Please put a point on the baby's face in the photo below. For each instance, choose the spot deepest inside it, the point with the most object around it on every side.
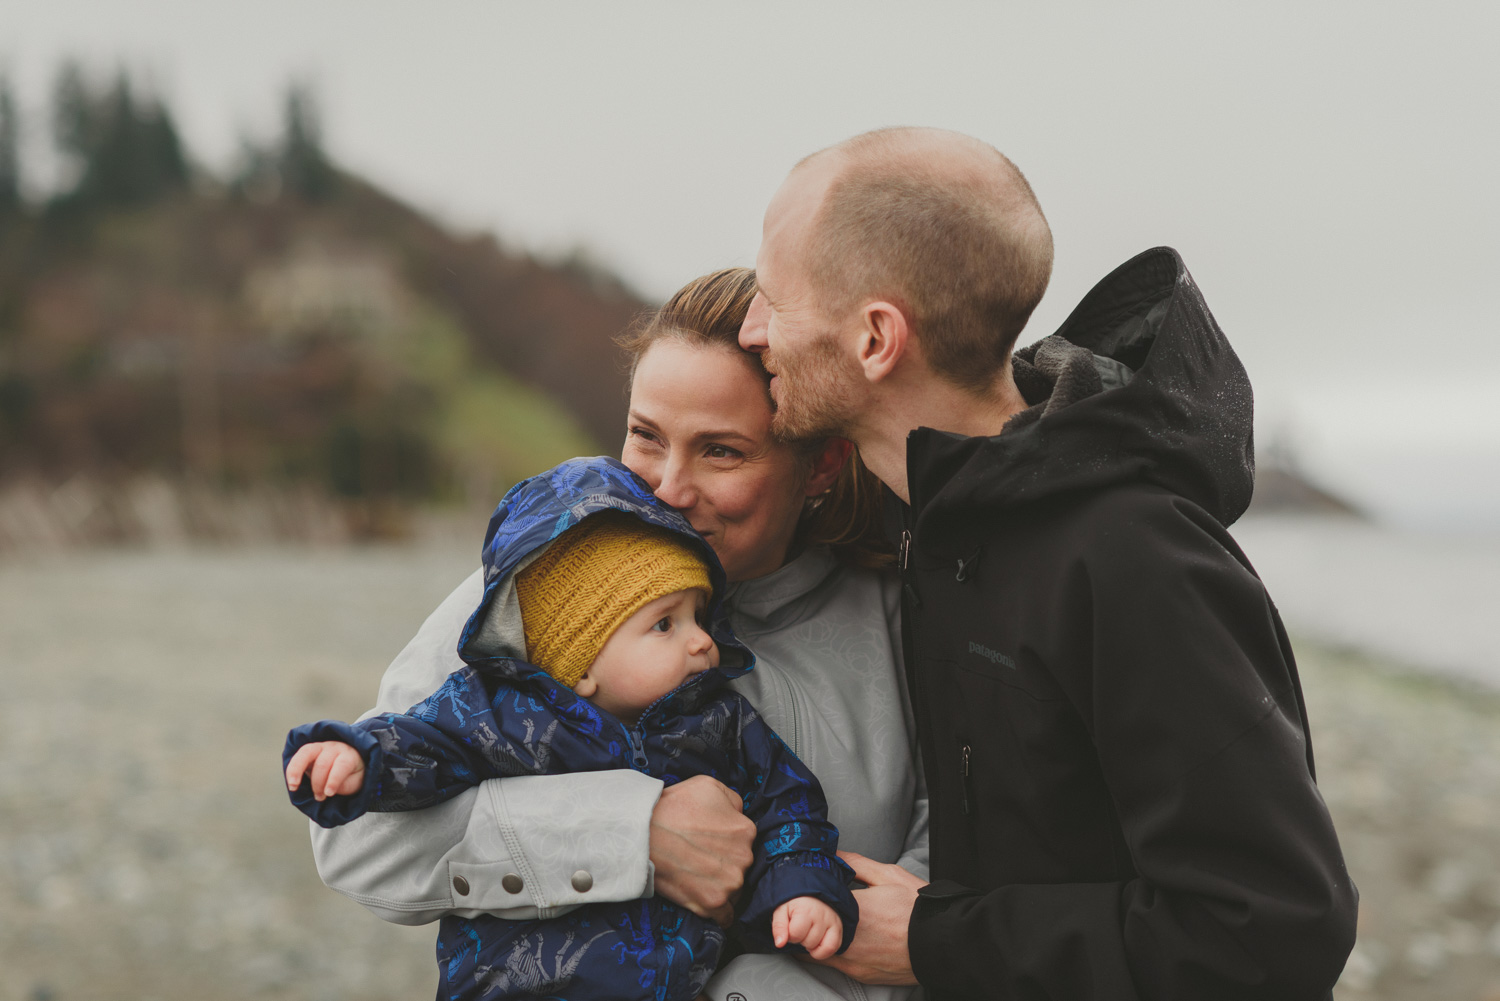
(653, 651)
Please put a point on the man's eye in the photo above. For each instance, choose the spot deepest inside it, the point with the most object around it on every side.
(663, 624)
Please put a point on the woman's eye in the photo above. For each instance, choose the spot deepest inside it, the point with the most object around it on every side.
(641, 433)
(663, 624)
(720, 452)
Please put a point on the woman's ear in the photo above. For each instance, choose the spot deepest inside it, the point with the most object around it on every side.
(586, 686)
(826, 464)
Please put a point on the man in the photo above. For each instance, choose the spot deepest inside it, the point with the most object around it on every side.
(1122, 792)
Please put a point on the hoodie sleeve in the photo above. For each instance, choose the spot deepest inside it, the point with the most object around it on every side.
(406, 867)
(1239, 890)
(795, 843)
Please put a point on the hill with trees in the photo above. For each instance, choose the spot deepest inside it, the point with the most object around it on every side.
(289, 328)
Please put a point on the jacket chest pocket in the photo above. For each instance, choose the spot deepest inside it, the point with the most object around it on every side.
(1022, 773)
(1012, 779)
(1013, 717)
(1018, 668)
(958, 627)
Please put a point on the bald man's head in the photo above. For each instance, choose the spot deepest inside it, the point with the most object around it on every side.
(940, 224)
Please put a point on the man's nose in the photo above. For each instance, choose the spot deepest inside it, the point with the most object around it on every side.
(757, 320)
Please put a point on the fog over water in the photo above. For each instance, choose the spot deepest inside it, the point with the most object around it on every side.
(1326, 171)
(1423, 602)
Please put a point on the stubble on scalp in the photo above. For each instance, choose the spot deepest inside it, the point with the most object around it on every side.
(943, 226)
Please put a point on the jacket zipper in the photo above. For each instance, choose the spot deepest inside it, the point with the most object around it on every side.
(637, 742)
(909, 606)
(636, 735)
(905, 561)
(967, 762)
(791, 712)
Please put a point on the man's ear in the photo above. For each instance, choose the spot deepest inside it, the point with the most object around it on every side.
(885, 338)
(586, 686)
(826, 465)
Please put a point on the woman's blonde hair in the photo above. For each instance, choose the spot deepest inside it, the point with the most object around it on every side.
(708, 311)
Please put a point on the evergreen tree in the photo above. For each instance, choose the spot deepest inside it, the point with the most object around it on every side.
(126, 148)
(305, 168)
(10, 153)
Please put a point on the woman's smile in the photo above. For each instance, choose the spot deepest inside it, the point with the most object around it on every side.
(699, 433)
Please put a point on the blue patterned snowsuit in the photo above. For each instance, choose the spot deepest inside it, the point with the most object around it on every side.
(500, 716)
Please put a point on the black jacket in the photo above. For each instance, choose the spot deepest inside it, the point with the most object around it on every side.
(1117, 753)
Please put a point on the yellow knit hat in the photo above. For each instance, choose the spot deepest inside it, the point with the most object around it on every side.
(591, 579)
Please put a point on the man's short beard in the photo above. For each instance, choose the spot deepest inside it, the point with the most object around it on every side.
(816, 400)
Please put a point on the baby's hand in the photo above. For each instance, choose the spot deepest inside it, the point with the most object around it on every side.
(810, 923)
(337, 769)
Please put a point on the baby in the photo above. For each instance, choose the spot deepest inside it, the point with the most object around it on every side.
(617, 605)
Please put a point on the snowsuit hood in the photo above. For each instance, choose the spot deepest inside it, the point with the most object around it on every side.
(529, 518)
(1138, 384)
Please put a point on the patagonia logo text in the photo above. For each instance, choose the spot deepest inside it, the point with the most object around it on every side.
(993, 656)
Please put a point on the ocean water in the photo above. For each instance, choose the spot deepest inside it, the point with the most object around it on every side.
(1427, 601)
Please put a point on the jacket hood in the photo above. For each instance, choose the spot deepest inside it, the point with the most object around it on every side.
(535, 512)
(1138, 384)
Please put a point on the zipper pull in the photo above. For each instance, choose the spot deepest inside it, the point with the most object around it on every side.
(637, 749)
(903, 558)
(966, 567)
(967, 806)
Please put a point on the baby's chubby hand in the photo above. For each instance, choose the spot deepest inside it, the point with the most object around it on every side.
(337, 769)
(810, 923)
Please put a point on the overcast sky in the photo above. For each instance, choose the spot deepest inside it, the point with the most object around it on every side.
(1328, 171)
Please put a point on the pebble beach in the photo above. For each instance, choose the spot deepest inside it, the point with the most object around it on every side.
(147, 849)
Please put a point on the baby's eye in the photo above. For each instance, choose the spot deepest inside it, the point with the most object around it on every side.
(663, 624)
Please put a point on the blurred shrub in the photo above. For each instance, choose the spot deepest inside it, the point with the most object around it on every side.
(295, 327)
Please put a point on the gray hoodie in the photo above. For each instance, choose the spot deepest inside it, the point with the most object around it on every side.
(828, 679)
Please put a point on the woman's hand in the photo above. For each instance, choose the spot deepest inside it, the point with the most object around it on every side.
(878, 954)
(700, 846)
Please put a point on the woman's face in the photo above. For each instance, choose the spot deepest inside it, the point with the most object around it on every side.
(699, 432)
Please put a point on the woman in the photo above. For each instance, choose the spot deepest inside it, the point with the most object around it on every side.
(794, 527)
